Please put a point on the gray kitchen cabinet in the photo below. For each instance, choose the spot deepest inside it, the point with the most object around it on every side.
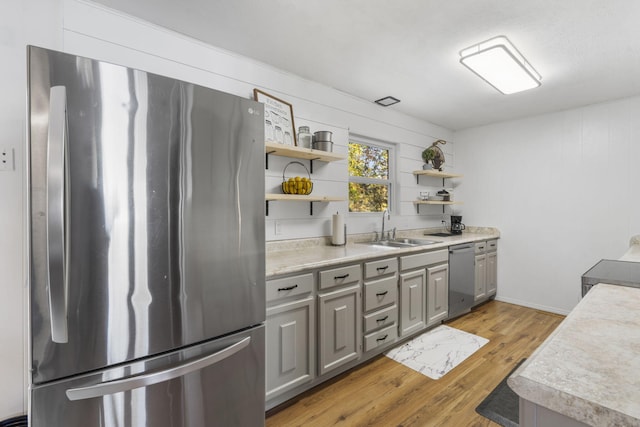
(379, 293)
(533, 415)
(414, 292)
(413, 299)
(492, 267)
(437, 293)
(290, 334)
(290, 343)
(340, 317)
(380, 303)
(486, 270)
(480, 277)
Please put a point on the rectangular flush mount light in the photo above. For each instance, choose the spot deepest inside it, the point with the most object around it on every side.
(500, 64)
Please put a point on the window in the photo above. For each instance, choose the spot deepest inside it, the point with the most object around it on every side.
(370, 176)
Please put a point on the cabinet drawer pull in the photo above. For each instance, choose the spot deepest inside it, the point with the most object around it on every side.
(382, 269)
(381, 294)
(287, 288)
(341, 277)
(382, 338)
(382, 319)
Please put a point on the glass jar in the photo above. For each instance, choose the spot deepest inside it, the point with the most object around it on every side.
(304, 137)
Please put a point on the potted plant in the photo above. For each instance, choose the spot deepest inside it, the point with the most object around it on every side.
(428, 155)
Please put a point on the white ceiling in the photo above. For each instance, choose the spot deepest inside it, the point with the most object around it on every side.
(587, 51)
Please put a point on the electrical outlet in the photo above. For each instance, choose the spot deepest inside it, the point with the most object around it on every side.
(278, 228)
(6, 158)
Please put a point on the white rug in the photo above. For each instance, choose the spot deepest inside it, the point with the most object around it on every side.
(438, 351)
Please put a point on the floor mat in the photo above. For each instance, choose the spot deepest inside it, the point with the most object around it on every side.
(437, 351)
(501, 405)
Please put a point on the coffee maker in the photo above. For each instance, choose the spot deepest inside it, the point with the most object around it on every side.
(456, 224)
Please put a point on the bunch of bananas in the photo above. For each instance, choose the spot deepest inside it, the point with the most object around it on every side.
(297, 185)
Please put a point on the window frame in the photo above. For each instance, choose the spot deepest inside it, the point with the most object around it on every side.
(390, 182)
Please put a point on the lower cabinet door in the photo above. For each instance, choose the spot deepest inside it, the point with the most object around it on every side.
(437, 293)
(340, 328)
(290, 354)
(492, 273)
(480, 277)
(412, 301)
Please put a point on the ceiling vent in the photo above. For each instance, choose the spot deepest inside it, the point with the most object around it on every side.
(386, 101)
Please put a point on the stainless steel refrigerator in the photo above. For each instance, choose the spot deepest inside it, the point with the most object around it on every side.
(147, 297)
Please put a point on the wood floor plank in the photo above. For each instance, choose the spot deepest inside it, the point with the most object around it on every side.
(383, 392)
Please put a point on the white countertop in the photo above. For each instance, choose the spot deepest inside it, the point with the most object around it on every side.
(298, 255)
(589, 367)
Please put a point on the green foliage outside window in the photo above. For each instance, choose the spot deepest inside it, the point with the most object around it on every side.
(368, 178)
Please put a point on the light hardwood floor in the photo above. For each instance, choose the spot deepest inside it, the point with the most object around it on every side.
(386, 393)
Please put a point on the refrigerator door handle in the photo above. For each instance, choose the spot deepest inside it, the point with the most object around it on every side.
(55, 214)
(125, 384)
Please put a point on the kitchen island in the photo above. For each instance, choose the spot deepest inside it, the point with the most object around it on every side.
(587, 371)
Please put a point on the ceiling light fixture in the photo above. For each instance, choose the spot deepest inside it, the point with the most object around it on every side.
(387, 100)
(499, 63)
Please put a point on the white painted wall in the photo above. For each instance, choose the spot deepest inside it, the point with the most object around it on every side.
(94, 31)
(563, 190)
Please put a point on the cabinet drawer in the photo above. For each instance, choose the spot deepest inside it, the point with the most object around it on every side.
(380, 338)
(382, 318)
(340, 276)
(410, 262)
(380, 293)
(379, 268)
(492, 245)
(481, 247)
(289, 287)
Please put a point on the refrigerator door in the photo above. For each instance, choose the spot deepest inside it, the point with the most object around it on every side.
(219, 383)
(147, 214)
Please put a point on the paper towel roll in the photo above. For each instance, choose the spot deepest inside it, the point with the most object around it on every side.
(337, 235)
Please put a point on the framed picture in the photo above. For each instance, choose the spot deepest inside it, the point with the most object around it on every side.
(278, 119)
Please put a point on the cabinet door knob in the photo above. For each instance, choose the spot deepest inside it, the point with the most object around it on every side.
(381, 269)
(381, 294)
(341, 277)
(382, 338)
(287, 288)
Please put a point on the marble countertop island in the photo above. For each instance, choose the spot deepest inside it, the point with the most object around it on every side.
(588, 369)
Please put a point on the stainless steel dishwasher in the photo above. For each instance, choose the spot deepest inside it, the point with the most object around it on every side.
(461, 278)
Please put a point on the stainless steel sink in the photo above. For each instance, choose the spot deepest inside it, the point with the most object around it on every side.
(402, 243)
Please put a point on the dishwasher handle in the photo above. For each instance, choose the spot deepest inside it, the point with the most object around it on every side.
(461, 249)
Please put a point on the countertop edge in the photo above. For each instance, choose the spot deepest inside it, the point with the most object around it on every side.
(583, 410)
(322, 256)
(528, 381)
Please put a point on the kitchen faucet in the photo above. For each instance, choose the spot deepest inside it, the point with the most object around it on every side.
(388, 215)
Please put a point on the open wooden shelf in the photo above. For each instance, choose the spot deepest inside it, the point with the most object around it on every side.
(435, 202)
(274, 197)
(437, 174)
(302, 198)
(301, 153)
(442, 203)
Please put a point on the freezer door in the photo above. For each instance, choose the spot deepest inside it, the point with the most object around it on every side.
(147, 214)
(220, 383)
